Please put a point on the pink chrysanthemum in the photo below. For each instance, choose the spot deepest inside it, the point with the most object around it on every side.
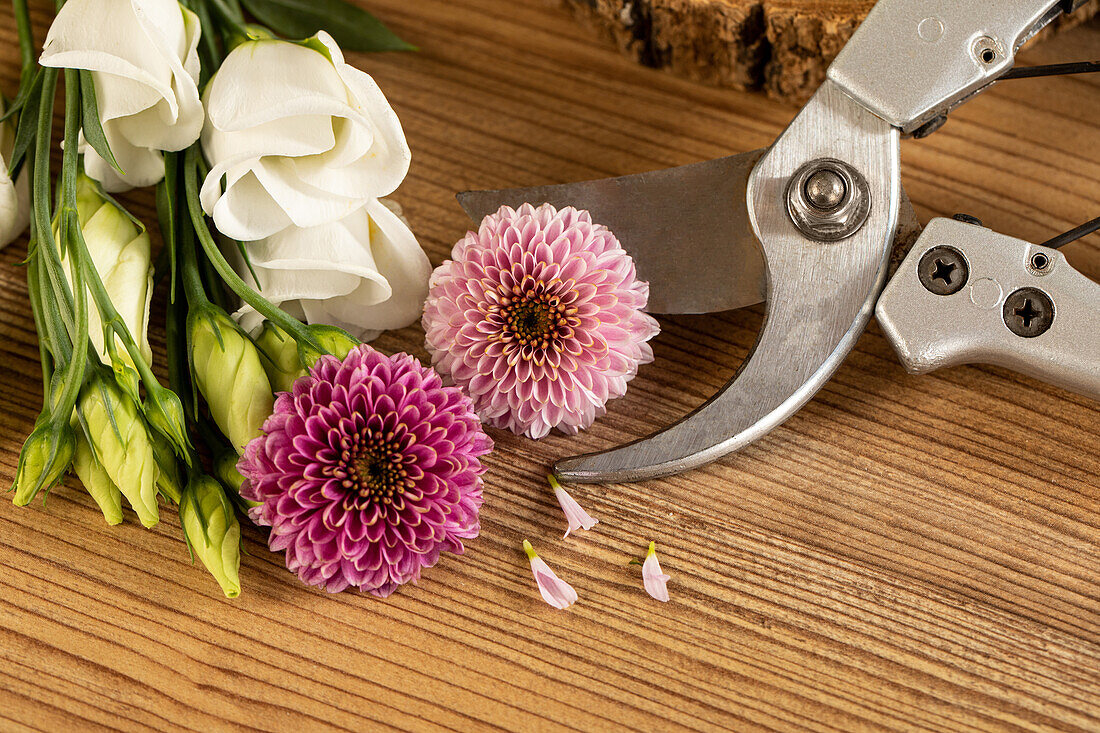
(367, 471)
(539, 317)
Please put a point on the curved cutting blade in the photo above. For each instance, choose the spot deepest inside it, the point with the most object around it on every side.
(819, 298)
(671, 222)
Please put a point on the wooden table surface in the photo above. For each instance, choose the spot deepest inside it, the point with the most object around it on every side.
(905, 553)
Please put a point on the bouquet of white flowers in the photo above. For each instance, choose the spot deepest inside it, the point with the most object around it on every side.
(270, 158)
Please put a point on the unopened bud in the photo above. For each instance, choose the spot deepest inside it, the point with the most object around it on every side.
(46, 456)
(96, 482)
(282, 364)
(335, 341)
(229, 375)
(225, 469)
(212, 531)
(168, 472)
(164, 412)
(121, 442)
(121, 252)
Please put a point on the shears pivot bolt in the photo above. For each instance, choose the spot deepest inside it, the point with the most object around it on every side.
(828, 200)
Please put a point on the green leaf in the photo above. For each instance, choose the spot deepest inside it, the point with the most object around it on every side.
(93, 130)
(248, 262)
(28, 86)
(353, 28)
(27, 128)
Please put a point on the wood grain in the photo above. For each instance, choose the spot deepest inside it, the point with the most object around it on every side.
(780, 46)
(904, 554)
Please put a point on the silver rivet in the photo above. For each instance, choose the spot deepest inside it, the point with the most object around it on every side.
(987, 50)
(1040, 263)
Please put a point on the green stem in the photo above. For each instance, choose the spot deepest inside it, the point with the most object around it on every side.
(26, 37)
(213, 284)
(292, 326)
(40, 197)
(179, 377)
(65, 333)
(74, 375)
(52, 334)
(189, 270)
(167, 218)
(40, 327)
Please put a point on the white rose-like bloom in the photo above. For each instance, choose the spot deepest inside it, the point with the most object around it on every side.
(365, 273)
(14, 203)
(143, 55)
(300, 137)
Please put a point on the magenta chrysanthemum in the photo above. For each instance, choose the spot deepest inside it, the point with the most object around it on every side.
(367, 471)
(539, 316)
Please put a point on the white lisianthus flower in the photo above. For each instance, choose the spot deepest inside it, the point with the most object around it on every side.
(14, 203)
(143, 55)
(301, 139)
(365, 273)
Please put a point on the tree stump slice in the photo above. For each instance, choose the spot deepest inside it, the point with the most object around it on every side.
(780, 46)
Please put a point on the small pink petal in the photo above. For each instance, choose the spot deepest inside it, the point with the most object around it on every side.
(652, 577)
(554, 590)
(577, 517)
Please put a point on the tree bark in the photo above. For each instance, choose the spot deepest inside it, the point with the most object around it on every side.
(780, 46)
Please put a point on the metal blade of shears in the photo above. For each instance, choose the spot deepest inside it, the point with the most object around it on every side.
(687, 229)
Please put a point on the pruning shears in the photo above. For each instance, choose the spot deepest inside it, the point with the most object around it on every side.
(809, 224)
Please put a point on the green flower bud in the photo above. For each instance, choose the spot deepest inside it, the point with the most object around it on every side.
(225, 469)
(44, 459)
(125, 374)
(336, 341)
(121, 252)
(230, 375)
(121, 443)
(96, 482)
(168, 476)
(282, 364)
(164, 412)
(212, 531)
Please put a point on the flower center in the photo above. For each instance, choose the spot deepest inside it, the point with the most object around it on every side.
(529, 320)
(533, 317)
(372, 469)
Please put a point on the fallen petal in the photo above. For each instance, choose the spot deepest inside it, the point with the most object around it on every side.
(554, 590)
(652, 577)
(577, 517)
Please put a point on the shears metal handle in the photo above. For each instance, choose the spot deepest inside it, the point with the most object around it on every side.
(967, 295)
